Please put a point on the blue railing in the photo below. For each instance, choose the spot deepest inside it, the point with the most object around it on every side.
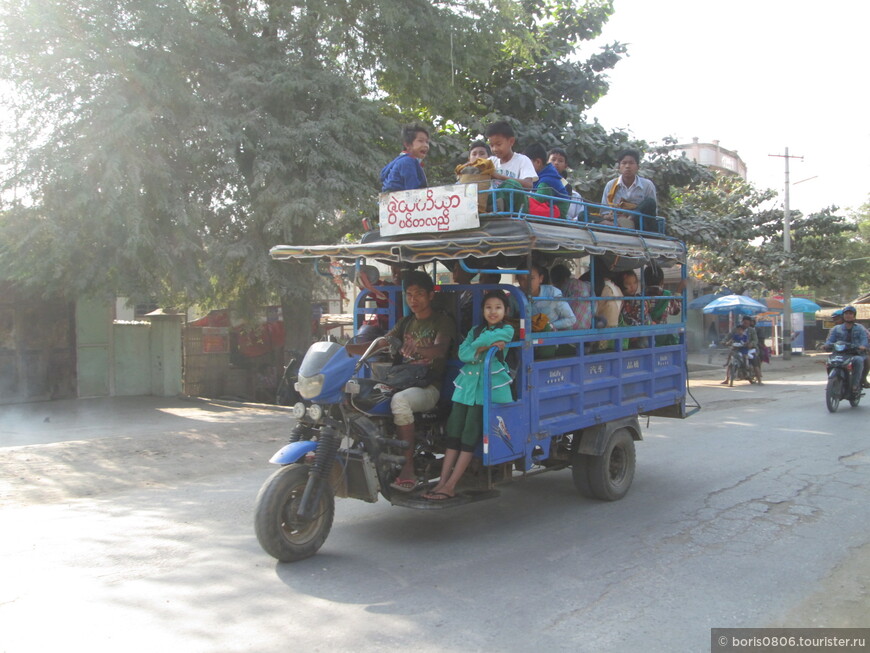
(515, 203)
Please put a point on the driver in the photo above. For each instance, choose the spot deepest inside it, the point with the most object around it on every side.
(855, 336)
(426, 337)
(738, 336)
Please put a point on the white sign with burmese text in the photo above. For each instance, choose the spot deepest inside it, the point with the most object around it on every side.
(429, 210)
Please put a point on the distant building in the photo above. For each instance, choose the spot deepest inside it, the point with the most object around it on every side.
(714, 156)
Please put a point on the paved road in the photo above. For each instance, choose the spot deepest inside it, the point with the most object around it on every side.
(752, 513)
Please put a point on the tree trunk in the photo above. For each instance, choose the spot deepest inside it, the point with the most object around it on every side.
(296, 307)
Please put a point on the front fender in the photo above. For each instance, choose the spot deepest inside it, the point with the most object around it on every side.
(838, 371)
(292, 452)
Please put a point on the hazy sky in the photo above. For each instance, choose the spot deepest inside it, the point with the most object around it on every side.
(759, 76)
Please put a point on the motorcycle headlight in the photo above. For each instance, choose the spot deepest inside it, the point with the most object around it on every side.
(311, 386)
(315, 412)
(299, 410)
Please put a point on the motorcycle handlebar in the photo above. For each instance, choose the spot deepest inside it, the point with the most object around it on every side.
(851, 351)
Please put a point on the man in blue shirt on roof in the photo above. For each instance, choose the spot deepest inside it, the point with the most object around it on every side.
(405, 172)
(628, 191)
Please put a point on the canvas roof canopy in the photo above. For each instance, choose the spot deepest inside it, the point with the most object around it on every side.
(506, 237)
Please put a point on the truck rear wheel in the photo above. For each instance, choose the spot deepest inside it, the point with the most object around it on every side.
(609, 475)
(579, 473)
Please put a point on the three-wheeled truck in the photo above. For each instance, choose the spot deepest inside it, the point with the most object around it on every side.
(576, 409)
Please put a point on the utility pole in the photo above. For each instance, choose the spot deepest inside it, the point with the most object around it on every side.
(786, 279)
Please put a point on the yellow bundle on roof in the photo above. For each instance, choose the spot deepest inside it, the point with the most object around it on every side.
(479, 167)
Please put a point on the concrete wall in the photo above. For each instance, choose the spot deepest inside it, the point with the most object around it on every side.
(132, 368)
(126, 359)
(166, 359)
(94, 348)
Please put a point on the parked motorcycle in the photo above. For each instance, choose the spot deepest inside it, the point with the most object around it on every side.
(839, 367)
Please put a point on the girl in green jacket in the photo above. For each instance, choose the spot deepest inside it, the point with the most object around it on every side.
(465, 424)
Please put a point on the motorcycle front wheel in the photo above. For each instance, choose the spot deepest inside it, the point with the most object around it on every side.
(833, 393)
(280, 531)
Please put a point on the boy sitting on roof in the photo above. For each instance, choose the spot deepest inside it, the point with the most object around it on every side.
(549, 183)
(405, 172)
(513, 171)
(559, 158)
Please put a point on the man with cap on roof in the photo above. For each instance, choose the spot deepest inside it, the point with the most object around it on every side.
(856, 337)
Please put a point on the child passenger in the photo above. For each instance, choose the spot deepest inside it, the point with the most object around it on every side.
(405, 172)
(478, 162)
(559, 158)
(478, 169)
(465, 424)
(478, 150)
(549, 183)
(513, 171)
(573, 290)
(634, 311)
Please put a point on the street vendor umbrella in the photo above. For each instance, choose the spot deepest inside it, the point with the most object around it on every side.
(798, 305)
(703, 300)
(803, 305)
(732, 303)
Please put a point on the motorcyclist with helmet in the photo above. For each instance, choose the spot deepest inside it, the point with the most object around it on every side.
(856, 337)
(740, 337)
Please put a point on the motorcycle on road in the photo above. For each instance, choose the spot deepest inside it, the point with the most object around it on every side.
(839, 368)
(738, 365)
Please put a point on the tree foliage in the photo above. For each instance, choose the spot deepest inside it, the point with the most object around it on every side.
(735, 233)
(163, 146)
(853, 259)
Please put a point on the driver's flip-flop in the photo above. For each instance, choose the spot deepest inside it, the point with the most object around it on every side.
(439, 496)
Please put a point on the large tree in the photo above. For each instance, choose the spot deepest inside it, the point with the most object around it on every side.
(853, 261)
(163, 146)
(735, 233)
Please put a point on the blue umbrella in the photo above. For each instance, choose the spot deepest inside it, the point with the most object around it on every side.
(703, 300)
(803, 305)
(731, 303)
(798, 305)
